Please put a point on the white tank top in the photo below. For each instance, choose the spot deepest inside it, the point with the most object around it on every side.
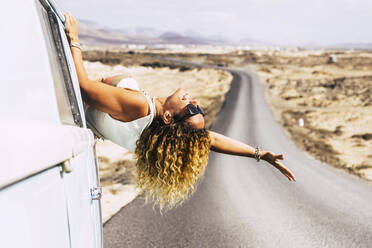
(124, 134)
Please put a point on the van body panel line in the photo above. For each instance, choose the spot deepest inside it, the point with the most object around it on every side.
(33, 146)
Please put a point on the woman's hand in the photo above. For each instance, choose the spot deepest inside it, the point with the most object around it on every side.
(274, 160)
(226, 145)
(71, 26)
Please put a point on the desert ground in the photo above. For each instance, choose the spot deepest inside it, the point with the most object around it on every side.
(321, 99)
(326, 108)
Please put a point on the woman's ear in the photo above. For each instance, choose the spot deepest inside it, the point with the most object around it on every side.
(167, 117)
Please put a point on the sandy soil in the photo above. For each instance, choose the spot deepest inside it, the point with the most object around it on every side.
(116, 164)
(326, 108)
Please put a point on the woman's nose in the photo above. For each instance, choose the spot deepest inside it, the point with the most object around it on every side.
(194, 102)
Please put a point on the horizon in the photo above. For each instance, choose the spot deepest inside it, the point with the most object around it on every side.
(301, 23)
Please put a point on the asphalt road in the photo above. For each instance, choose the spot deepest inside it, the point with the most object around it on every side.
(242, 203)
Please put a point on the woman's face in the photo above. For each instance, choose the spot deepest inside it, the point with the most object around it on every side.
(176, 104)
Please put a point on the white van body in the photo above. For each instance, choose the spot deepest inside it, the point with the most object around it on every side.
(49, 185)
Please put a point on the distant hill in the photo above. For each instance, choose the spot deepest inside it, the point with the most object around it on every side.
(175, 38)
(93, 34)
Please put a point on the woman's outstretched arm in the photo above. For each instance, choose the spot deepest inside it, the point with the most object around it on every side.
(226, 145)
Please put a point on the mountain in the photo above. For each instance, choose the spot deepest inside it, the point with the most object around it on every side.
(93, 34)
(175, 38)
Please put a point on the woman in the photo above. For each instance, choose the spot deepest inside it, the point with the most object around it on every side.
(166, 134)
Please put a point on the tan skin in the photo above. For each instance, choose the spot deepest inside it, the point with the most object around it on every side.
(128, 105)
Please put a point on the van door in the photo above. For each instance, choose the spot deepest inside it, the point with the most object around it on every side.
(81, 179)
(33, 212)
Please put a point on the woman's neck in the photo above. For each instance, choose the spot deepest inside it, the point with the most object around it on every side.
(159, 103)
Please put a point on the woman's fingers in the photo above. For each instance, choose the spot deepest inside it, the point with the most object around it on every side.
(289, 178)
(279, 156)
(68, 16)
(70, 19)
(71, 27)
(273, 159)
(67, 20)
(286, 172)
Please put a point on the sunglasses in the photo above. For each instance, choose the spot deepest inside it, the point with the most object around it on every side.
(191, 111)
(194, 110)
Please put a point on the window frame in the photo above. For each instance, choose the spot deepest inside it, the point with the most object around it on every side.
(63, 64)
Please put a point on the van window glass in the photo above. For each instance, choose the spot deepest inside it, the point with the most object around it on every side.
(66, 99)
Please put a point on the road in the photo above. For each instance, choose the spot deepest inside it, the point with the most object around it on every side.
(242, 203)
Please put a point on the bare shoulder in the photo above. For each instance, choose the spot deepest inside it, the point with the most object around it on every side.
(134, 105)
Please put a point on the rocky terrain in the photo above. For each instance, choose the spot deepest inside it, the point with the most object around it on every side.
(326, 107)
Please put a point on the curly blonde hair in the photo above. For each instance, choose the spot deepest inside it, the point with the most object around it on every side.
(170, 160)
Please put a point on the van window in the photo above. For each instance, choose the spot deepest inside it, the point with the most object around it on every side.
(66, 99)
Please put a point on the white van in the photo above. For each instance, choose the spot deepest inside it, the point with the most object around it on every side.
(49, 185)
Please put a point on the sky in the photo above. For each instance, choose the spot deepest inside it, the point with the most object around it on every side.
(290, 22)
